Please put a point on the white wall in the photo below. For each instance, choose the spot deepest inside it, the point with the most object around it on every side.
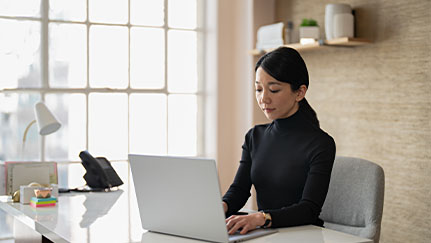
(228, 40)
(230, 107)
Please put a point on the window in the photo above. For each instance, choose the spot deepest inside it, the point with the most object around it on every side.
(122, 76)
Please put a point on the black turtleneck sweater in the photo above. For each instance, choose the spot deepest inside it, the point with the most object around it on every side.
(289, 161)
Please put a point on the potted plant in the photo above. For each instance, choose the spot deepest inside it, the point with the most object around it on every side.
(309, 29)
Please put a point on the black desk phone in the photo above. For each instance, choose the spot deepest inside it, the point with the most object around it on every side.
(100, 174)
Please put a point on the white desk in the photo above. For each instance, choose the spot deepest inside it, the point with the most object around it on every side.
(114, 217)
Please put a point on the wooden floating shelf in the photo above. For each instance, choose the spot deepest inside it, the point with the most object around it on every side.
(344, 41)
(347, 41)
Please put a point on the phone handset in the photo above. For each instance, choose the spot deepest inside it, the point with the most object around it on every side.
(100, 173)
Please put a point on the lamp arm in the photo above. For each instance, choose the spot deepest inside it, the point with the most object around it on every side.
(25, 132)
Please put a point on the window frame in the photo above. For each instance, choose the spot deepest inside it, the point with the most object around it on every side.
(87, 90)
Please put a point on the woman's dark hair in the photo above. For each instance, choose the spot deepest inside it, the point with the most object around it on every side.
(286, 65)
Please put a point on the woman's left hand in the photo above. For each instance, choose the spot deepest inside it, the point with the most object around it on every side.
(246, 222)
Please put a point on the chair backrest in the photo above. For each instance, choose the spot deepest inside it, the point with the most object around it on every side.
(354, 203)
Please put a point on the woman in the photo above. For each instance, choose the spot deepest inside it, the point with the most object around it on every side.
(289, 161)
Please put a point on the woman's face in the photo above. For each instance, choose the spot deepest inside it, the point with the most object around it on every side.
(275, 98)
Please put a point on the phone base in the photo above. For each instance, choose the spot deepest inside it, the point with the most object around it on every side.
(87, 189)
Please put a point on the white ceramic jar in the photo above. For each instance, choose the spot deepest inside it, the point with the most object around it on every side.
(343, 25)
(330, 11)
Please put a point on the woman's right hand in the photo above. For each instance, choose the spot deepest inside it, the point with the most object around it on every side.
(224, 207)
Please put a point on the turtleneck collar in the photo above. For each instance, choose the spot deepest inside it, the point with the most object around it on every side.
(289, 122)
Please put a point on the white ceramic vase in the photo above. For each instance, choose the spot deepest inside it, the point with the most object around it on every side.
(330, 11)
(343, 25)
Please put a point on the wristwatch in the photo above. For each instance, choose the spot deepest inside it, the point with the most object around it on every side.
(268, 219)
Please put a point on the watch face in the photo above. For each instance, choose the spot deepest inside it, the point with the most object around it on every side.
(270, 218)
(267, 219)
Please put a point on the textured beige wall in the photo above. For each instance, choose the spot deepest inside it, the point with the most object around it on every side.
(375, 101)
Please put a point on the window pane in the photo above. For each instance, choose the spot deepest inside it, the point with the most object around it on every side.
(67, 55)
(147, 12)
(70, 175)
(69, 140)
(20, 8)
(75, 10)
(20, 54)
(16, 112)
(182, 125)
(147, 58)
(107, 133)
(182, 61)
(182, 14)
(148, 124)
(108, 11)
(108, 57)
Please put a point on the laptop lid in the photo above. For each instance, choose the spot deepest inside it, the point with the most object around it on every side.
(181, 196)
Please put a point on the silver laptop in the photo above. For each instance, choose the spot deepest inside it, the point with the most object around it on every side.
(181, 196)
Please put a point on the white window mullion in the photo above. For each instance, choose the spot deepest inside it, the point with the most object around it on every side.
(165, 27)
(201, 85)
(87, 87)
(44, 44)
(129, 202)
(128, 77)
(45, 60)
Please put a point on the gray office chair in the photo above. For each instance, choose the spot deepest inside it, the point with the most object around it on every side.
(354, 203)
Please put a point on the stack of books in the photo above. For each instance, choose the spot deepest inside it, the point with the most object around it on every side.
(43, 202)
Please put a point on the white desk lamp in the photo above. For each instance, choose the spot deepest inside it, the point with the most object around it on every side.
(46, 121)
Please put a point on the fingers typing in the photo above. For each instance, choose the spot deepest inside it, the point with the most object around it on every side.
(243, 223)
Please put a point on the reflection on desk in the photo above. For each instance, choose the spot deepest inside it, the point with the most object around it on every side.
(83, 217)
(114, 217)
(95, 209)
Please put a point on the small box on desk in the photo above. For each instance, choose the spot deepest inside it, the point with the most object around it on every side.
(27, 192)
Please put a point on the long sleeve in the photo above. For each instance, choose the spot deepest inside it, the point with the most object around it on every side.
(307, 210)
(239, 192)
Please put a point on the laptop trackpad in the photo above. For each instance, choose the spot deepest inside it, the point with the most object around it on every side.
(251, 235)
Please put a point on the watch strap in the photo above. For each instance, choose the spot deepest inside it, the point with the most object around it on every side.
(268, 219)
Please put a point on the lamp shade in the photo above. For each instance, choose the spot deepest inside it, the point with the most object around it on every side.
(46, 121)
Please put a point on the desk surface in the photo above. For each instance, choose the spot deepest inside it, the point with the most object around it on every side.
(114, 217)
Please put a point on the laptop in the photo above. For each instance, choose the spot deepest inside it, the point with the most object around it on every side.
(181, 196)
